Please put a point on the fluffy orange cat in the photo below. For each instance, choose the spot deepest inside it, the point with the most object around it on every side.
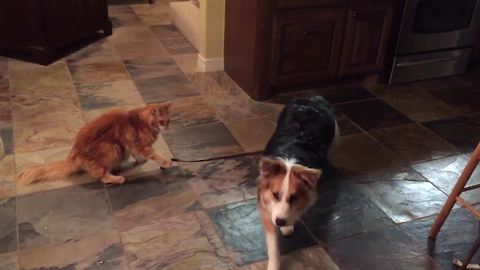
(105, 142)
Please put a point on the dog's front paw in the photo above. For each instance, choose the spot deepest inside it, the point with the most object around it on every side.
(166, 164)
(273, 265)
(287, 231)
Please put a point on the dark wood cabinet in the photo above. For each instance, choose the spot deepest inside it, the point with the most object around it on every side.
(308, 3)
(3, 30)
(366, 37)
(289, 43)
(41, 28)
(60, 23)
(92, 13)
(306, 45)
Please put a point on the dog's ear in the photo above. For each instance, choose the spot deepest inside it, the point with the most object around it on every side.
(270, 166)
(308, 176)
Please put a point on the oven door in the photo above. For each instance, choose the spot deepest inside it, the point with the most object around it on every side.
(429, 25)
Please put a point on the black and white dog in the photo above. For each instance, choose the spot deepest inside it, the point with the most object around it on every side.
(291, 166)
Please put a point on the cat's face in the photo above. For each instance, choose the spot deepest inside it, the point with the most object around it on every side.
(158, 115)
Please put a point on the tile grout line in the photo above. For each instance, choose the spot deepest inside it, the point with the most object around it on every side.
(370, 200)
(109, 202)
(76, 93)
(408, 166)
(447, 119)
(14, 177)
(416, 87)
(215, 231)
(13, 169)
(431, 133)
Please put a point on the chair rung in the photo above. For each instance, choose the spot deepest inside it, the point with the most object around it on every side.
(471, 187)
(469, 207)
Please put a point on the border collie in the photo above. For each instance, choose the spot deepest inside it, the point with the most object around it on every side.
(291, 166)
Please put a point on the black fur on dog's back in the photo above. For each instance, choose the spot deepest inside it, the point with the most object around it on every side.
(305, 130)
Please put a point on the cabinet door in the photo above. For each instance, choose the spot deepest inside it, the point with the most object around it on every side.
(366, 38)
(306, 45)
(59, 20)
(91, 13)
(3, 28)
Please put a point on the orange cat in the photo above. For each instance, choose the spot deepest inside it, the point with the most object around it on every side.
(105, 142)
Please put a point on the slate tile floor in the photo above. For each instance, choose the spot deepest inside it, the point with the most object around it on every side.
(401, 150)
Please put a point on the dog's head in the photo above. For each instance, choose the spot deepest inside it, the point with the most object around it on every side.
(286, 189)
(157, 115)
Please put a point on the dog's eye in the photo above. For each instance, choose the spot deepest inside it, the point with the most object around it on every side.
(292, 199)
(276, 196)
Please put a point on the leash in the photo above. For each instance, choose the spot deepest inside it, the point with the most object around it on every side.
(218, 158)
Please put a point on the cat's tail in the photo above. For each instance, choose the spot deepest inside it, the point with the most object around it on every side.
(47, 172)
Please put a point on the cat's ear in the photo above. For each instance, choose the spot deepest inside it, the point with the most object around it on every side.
(153, 109)
(165, 105)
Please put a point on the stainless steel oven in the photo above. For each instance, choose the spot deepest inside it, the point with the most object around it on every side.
(435, 32)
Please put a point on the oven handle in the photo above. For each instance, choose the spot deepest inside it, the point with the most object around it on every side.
(430, 61)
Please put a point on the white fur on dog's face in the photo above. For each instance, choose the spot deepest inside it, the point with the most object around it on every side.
(280, 209)
(286, 189)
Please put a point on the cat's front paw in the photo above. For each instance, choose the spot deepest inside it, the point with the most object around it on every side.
(140, 161)
(166, 164)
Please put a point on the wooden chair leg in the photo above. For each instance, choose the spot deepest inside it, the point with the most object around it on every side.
(471, 253)
(457, 190)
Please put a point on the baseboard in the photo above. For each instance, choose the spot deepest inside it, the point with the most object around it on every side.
(209, 64)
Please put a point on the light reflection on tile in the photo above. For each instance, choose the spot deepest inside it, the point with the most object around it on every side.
(7, 179)
(147, 68)
(102, 251)
(99, 72)
(108, 94)
(173, 243)
(152, 50)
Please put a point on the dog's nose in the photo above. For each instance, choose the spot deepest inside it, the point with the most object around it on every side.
(280, 222)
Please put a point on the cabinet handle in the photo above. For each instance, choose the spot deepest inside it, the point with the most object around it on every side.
(429, 61)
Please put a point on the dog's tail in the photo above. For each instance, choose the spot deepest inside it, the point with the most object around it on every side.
(47, 172)
(336, 138)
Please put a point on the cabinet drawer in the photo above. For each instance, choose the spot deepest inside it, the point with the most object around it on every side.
(308, 3)
(306, 45)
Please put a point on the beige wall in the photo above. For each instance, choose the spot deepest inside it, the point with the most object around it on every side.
(212, 14)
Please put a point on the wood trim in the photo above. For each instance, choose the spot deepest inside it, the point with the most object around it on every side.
(240, 50)
(266, 11)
